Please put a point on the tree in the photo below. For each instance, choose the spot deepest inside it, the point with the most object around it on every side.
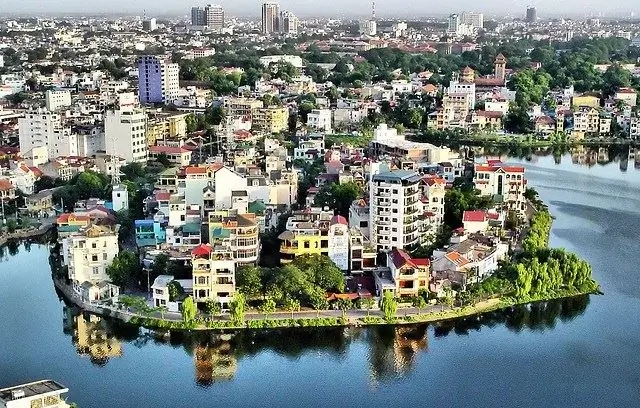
(124, 268)
(213, 307)
(344, 305)
(388, 305)
(249, 281)
(237, 309)
(292, 305)
(320, 270)
(44, 183)
(368, 304)
(159, 266)
(268, 307)
(419, 303)
(175, 291)
(189, 310)
(614, 78)
(338, 197)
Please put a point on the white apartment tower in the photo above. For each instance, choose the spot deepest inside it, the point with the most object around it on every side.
(289, 23)
(125, 134)
(54, 100)
(158, 80)
(41, 128)
(394, 208)
(475, 20)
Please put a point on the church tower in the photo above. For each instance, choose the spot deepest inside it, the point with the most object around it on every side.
(500, 67)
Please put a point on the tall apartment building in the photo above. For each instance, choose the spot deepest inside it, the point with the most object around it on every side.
(158, 80)
(214, 274)
(475, 20)
(40, 130)
(289, 23)
(532, 15)
(270, 17)
(394, 208)
(126, 134)
(210, 16)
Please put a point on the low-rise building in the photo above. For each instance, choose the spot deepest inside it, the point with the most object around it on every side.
(404, 276)
(214, 274)
(45, 393)
(504, 183)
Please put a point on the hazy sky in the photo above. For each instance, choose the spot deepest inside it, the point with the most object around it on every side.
(326, 7)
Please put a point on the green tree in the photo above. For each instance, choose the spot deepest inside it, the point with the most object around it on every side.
(124, 268)
(189, 310)
(213, 307)
(159, 266)
(249, 280)
(388, 305)
(419, 303)
(292, 305)
(268, 307)
(614, 78)
(175, 291)
(345, 305)
(368, 303)
(237, 308)
(338, 197)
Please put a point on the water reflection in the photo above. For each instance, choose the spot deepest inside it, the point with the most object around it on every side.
(393, 351)
(587, 156)
(91, 335)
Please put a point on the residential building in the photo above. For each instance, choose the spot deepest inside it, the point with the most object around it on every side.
(475, 20)
(87, 254)
(45, 393)
(503, 182)
(319, 120)
(214, 274)
(627, 95)
(464, 87)
(289, 23)
(158, 80)
(54, 100)
(125, 134)
(270, 14)
(175, 154)
(149, 25)
(404, 276)
(238, 231)
(368, 27)
(294, 60)
(7, 190)
(271, 120)
(163, 126)
(42, 129)
(532, 15)
(394, 198)
(214, 16)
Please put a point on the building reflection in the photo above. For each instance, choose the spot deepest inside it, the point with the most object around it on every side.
(91, 336)
(214, 360)
(394, 349)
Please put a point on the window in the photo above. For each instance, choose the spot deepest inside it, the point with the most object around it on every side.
(94, 258)
(104, 256)
(96, 270)
(306, 245)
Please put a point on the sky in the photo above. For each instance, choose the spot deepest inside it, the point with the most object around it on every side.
(325, 8)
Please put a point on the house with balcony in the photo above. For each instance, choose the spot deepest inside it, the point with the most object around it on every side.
(505, 183)
(237, 230)
(214, 274)
(404, 276)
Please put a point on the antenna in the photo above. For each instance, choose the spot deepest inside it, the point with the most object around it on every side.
(373, 10)
(115, 164)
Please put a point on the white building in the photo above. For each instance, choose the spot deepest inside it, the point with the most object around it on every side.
(289, 23)
(45, 129)
(320, 119)
(368, 27)
(394, 198)
(120, 197)
(472, 19)
(294, 60)
(45, 393)
(55, 100)
(125, 134)
(505, 183)
(464, 87)
(87, 254)
(339, 242)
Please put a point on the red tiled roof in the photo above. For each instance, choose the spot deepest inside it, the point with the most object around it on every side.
(457, 258)
(5, 185)
(202, 250)
(339, 219)
(474, 216)
(163, 195)
(496, 167)
(167, 149)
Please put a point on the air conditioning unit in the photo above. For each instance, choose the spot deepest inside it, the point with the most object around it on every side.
(17, 394)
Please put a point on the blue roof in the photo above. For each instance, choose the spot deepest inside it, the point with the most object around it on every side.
(143, 222)
(401, 175)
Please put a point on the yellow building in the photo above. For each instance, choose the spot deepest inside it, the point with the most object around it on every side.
(238, 231)
(272, 120)
(306, 239)
(162, 126)
(214, 274)
(586, 100)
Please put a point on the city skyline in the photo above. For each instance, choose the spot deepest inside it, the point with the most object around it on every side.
(515, 8)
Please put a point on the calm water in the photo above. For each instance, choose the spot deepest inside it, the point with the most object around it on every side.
(579, 353)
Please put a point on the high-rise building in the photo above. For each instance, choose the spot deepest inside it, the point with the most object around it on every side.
(197, 16)
(214, 16)
(475, 20)
(125, 132)
(394, 207)
(369, 26)
(453, 23)
(270, 17)
(149, 25)
(158, 80)
(46, 130)
(289, 23)
(532, 15)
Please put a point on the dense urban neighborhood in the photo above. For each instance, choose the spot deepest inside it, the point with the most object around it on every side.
(208, 172)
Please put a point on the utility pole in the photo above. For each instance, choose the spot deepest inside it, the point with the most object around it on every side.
(4, 220)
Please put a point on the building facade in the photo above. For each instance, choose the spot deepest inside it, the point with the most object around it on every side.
(125, 134)
(158, 80)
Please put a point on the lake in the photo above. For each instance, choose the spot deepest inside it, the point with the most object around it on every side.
(581, 352)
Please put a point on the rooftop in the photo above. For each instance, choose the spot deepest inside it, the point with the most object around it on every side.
(31, 390)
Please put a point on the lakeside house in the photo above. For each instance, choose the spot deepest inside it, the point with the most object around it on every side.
(44, 393)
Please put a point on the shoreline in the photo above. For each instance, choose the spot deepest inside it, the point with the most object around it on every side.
(373, 318)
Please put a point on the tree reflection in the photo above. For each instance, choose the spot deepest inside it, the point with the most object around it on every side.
(393, 350)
